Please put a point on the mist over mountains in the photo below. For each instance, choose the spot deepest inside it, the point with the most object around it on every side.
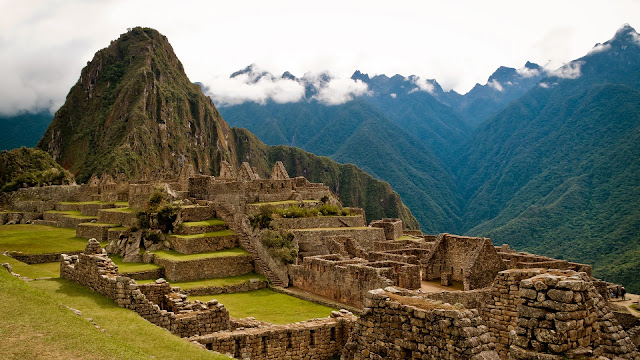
(545, 160)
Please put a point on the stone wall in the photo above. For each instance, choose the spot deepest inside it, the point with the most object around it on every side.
(398, 327)
(319, 222)
(195, 245)
(392, 227)
(472, 299)
(563, 316)
(93, 231)
(318, 339)
(39, 258)
(500, 309)
(348, 280)
(522, 260)
(312, 241)
(95, 270)
(252, 284)
(470, 260)
(205, 268)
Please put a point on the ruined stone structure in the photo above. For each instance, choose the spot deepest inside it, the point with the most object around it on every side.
(506, 304)
(164, 307)
(398, 327)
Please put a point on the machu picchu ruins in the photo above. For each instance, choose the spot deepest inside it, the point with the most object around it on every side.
(402, 294)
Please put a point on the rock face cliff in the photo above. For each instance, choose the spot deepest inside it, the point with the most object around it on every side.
(135, 111)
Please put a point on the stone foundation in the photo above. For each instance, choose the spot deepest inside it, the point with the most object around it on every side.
(206, 268)
(203, 244)
(314, 339)
(396, 327)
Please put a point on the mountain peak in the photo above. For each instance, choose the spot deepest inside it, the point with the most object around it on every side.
(357, 75)
(134, 110)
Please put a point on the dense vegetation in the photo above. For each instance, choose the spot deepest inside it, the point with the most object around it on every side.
(30, 167)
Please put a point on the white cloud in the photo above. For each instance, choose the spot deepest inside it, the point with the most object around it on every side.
(423, 84)
(394, 95)
(227, 91)
(526, 72)
(495, 84)
(568, 71)
(599, 48)
(544, 85)
(339, 90)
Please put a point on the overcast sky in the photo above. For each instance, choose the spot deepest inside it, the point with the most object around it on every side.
(45, 44)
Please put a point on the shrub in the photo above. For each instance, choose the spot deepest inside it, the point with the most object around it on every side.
(329, 210)
(262, 220)
(280, 245)
(144, 219)
(165, 217)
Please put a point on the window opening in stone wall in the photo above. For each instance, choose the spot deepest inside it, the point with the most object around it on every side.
(311, 337)
(264, 344)
(333, 334)
(289, 344)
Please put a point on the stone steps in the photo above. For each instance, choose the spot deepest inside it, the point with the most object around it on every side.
(225, 263)
(205, 242)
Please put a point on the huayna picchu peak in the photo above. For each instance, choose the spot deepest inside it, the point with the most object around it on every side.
(134, 110)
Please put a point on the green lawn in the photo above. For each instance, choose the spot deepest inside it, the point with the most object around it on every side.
(39, 239)
(76, 214)
(208, 234)
(173, 255)
(128, 267)
(100, 224)
(210, 222)
(232, 280)
(121, 209)
(84, 202)
(268, 305)
(285, 202)
(32, 271)
(39, 326)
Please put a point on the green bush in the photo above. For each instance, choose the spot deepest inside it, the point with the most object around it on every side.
(262, 220)
(144, 219)
(280, 245)
(165, 217)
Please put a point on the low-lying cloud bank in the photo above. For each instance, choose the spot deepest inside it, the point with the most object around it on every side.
(256, 85)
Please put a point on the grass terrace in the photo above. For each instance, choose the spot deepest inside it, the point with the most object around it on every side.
(217, 282)
(42, 327)
(208, 234)
(336, 229)
(100, 224)
(121, 209)
(286, 202)
(210, 222)
(76, 214)
(32, 271)
(129, 267)
(39, 239)
(408, 237)
(84, 202)
(176, 256)
(268, 305)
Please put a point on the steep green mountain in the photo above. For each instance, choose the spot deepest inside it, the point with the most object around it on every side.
(30, 167)
(357, 133)
(504, 86)
(557, 171)
(134, 110)
(416, 111)
(23, 129)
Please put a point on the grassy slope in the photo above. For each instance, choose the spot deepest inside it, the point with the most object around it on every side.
(40, 327)
(39, 239)
(268, 305)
